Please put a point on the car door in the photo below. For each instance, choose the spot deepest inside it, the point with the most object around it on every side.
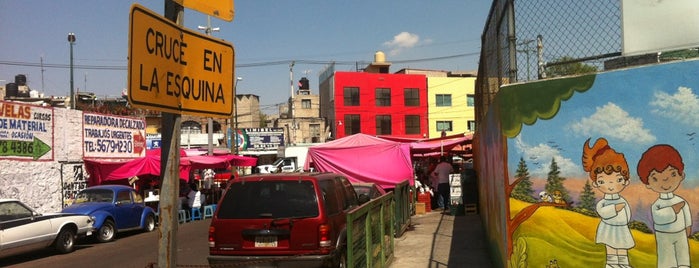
(21, 229)
(126, 213)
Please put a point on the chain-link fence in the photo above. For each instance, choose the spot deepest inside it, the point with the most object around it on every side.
(526, 40)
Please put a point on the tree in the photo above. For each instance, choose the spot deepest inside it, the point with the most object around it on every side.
(554, 182)
(523, 190)
(587, 197)
(263, 119)
(569, 68)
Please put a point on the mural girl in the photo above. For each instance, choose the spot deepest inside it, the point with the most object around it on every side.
(609, 173)
(661, 169)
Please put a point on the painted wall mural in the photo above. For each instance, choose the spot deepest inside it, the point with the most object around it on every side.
(600, 169)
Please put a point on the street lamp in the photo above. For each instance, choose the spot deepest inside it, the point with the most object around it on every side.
(235, 118)
(71, 40)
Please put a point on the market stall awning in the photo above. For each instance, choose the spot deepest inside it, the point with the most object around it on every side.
(439, 145)
(103, 170)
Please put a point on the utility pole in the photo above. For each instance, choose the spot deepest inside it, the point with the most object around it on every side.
(169, 170)
(526, 51)
(210, 121)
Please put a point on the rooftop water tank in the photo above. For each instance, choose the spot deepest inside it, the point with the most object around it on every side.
(21, 80)
(379, 56)
(11, 90)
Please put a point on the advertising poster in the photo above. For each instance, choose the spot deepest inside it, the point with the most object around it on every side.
(108, 136)
(26, 132)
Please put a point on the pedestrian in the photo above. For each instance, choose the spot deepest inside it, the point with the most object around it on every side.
(443, 171)
(193, 197)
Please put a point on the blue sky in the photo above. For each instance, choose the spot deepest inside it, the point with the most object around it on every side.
(267, 35)
(633, 109)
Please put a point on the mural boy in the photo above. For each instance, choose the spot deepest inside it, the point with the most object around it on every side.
(609, 173)
(661, 169)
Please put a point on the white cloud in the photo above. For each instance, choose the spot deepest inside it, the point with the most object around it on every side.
(402, 41)
(681, 106)
(539, 158)
(611, 121)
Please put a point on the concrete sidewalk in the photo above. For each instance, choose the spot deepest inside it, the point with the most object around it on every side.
(441, 240)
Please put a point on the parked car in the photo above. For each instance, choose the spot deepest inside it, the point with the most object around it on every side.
(22, 229)
(283, 220)
(116, 208)
(372, 190)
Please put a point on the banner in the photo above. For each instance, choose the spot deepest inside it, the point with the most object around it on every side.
(108, 136)
(26, 132)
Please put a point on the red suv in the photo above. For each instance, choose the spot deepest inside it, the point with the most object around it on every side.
(283, 220)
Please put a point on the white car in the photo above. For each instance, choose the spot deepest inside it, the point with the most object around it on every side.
(22, 229)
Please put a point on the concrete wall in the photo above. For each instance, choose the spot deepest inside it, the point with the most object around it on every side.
(41, 184)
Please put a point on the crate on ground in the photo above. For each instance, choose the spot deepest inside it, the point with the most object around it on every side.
(420, 208)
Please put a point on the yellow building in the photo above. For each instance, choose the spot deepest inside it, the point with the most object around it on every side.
(451, 104)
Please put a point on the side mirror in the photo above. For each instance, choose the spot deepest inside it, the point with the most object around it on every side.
(363, 198)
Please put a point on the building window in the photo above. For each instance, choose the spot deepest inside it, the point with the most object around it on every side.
(352, 124)
(470, 100)
(444, 125)
(471, 126)
(411, 97)
(443, 100)
(412, 124)
(314, 130)
(383, 125)
(351, 95)
(306, 104)
(383, 97)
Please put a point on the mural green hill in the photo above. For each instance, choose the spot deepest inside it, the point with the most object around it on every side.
(569, 238)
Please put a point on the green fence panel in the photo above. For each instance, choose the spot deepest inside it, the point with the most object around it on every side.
(370, 233)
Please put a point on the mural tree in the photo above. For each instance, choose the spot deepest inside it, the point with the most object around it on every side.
(523, 190)
(554, 182)
(587, 197)
(545, 105)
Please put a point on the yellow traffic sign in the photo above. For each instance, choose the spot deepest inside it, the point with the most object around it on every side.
(222, 9)
(176, 70)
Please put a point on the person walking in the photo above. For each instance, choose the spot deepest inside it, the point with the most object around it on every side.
(442, 171)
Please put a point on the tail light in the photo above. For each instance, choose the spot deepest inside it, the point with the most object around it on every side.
(212, 241)
(323, 236)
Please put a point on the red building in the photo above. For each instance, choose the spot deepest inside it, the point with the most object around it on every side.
(375, 102)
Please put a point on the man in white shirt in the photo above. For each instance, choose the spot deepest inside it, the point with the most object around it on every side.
(443, 169)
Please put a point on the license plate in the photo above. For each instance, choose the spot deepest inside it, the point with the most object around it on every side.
(265, 241)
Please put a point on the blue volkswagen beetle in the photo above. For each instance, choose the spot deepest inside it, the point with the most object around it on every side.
(116, 208)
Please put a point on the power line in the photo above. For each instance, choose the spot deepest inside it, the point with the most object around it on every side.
(243, 65)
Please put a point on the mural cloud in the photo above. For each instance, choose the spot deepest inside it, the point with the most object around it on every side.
(611, 121)
(681, 106)
(539, 158)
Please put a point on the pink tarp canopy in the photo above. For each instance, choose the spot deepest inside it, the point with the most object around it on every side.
(364, 158)
(432, 146)
(102, 170)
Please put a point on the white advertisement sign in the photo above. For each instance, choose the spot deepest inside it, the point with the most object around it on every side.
(26, 132)
(654, 26)
(108, 136)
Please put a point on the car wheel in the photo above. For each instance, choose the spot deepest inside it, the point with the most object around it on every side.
(107, 232)
(342, 262)
(65, 241)
(150, 223)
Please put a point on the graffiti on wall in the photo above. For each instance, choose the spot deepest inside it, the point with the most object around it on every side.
(603, 169)
(72, 186)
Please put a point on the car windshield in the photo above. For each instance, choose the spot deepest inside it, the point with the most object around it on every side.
(94, 195)
(269, 199)
(362, 189)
